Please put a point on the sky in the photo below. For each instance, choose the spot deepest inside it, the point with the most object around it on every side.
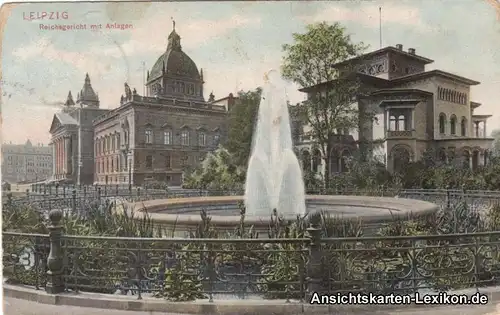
(234, 42)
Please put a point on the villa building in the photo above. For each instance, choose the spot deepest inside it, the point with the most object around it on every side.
(416, 111)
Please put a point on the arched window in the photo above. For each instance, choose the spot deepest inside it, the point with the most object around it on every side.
(343, 160)
(453, 124)
(185, 137)
(202, 139)
(401, 158)
(466, 159)
(463, 127)
(316, 160)
(149, 136)
(167, 137)
(442, 123)
(442, 155)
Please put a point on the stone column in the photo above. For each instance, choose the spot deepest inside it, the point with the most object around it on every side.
(477, 128)
(56, 143)
(484, 130)
(386, 123)
(53, 144)
(66, 155)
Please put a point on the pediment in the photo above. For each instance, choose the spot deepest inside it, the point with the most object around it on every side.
(56, 124)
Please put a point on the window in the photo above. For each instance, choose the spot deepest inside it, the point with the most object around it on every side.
(463, 127)
(149, 136)
(201, 139)
(184, 160)
(216, 139)
(149, 161)
(185, 137)
(168, 162)
(442, 123)
(453, 125)
(167, 137)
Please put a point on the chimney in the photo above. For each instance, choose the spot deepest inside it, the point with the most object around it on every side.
(399, 46)
(411, 51)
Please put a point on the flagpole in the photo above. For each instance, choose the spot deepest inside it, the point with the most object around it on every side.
(380, 24)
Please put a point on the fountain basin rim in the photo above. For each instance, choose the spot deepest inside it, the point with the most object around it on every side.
(396, 208)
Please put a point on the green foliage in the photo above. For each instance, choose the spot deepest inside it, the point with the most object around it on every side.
(218, 171)
(242, 117)
(309, 62)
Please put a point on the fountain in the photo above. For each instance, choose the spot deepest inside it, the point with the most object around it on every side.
(274, 181)
(274, 178)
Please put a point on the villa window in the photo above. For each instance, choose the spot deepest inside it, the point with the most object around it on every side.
(442, 124)
(201, 139)
(167, 137)
(216, 139)
(453, 125)
(149, 136)
(463, 127)
(185, 137)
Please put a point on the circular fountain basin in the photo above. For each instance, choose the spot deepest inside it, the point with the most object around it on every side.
(183, 214)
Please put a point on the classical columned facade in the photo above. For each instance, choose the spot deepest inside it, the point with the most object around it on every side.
(63, 157)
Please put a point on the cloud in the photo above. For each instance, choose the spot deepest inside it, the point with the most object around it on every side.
(44, 49)
(368, 15)
(194, 32)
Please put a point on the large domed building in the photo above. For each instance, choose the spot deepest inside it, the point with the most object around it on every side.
(175, 74)
(156, 136)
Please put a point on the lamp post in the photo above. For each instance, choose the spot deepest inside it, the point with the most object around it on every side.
(127, 149)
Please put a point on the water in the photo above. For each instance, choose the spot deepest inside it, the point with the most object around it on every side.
(274, 177)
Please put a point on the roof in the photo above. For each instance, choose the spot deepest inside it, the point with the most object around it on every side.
(174, 61)
(62, 119)
(379, 82)
(402, 91)
(65, 119)
(475, 104)
(481, 116)
(383, 51)
(365, 78)
(440, 73)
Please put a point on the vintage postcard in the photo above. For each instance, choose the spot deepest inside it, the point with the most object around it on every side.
(361, 107)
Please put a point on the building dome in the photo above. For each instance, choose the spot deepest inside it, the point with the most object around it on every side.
(174, 61)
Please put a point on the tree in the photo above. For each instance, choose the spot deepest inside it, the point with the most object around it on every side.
(332, 102)
(218, 171)
(241, 125)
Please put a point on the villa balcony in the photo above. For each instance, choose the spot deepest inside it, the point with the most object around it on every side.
(400, 134)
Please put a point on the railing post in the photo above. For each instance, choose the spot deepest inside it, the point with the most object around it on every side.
(448, 197)
(55, 282)
(84, 192)
(28, 194)
(99, 193)
(139, 193)
(57, 189)
(314, 265)
(73, 201)
(116, 190)
(105, 190)
(64, 191)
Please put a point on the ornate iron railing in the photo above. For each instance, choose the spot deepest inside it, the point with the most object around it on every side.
(285, 268)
